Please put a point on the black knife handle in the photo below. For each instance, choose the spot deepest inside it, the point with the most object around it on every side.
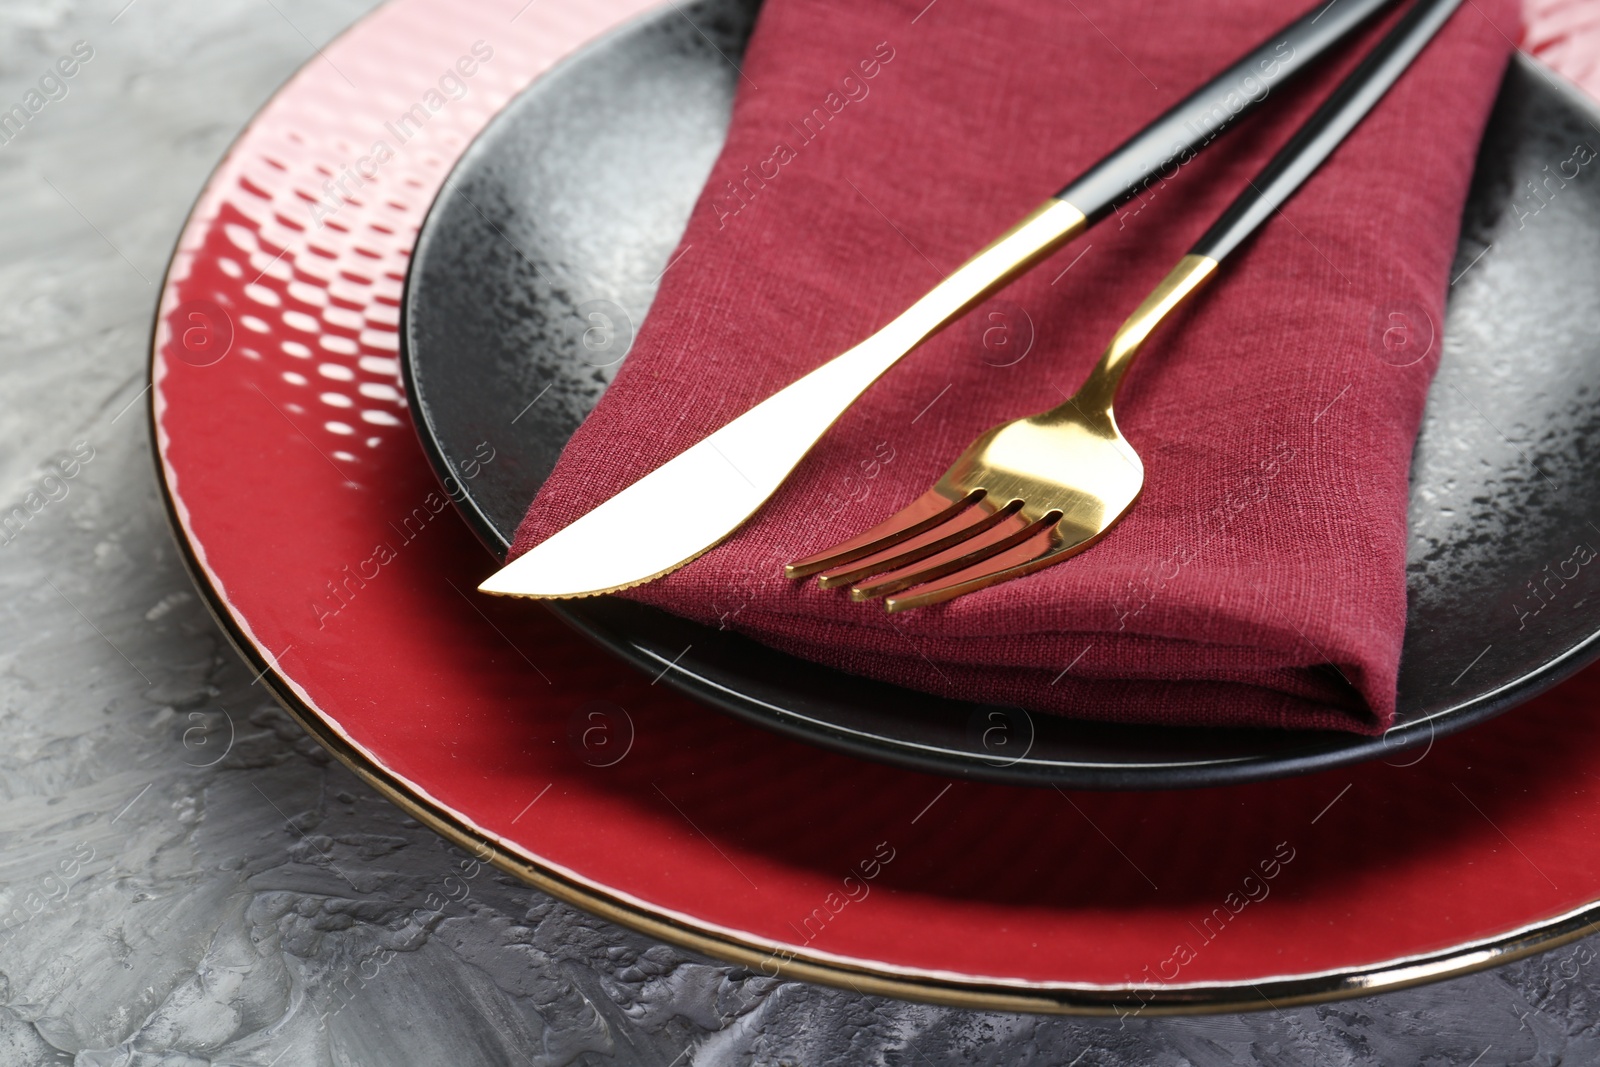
(1344, 109)
(1171, 140)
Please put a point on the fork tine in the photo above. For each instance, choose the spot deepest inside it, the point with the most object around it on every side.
(1015, 530)
(1024, 558)
(929, 510)
(969, 524)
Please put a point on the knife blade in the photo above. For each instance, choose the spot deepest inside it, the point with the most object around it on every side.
(691, 503)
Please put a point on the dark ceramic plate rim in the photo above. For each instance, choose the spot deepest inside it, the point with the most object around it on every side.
(615, 624)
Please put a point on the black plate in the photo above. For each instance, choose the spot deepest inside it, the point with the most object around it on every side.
(569, 204)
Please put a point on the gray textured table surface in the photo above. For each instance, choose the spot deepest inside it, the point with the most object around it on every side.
(176, 909)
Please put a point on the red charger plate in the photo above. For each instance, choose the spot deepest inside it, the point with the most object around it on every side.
(333, 559)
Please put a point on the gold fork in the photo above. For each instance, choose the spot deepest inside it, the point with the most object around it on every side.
(1039, 490)
(1024, 495)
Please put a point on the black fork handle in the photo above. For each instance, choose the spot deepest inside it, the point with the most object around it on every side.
(1344, 109)
(1171, 140)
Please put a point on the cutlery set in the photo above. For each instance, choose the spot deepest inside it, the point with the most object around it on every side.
(1028, 493)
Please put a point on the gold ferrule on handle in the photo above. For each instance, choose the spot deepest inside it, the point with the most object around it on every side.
(1101, 386)
(1042, 231)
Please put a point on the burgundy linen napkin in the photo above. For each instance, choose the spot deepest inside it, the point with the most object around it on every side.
(875, 144)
